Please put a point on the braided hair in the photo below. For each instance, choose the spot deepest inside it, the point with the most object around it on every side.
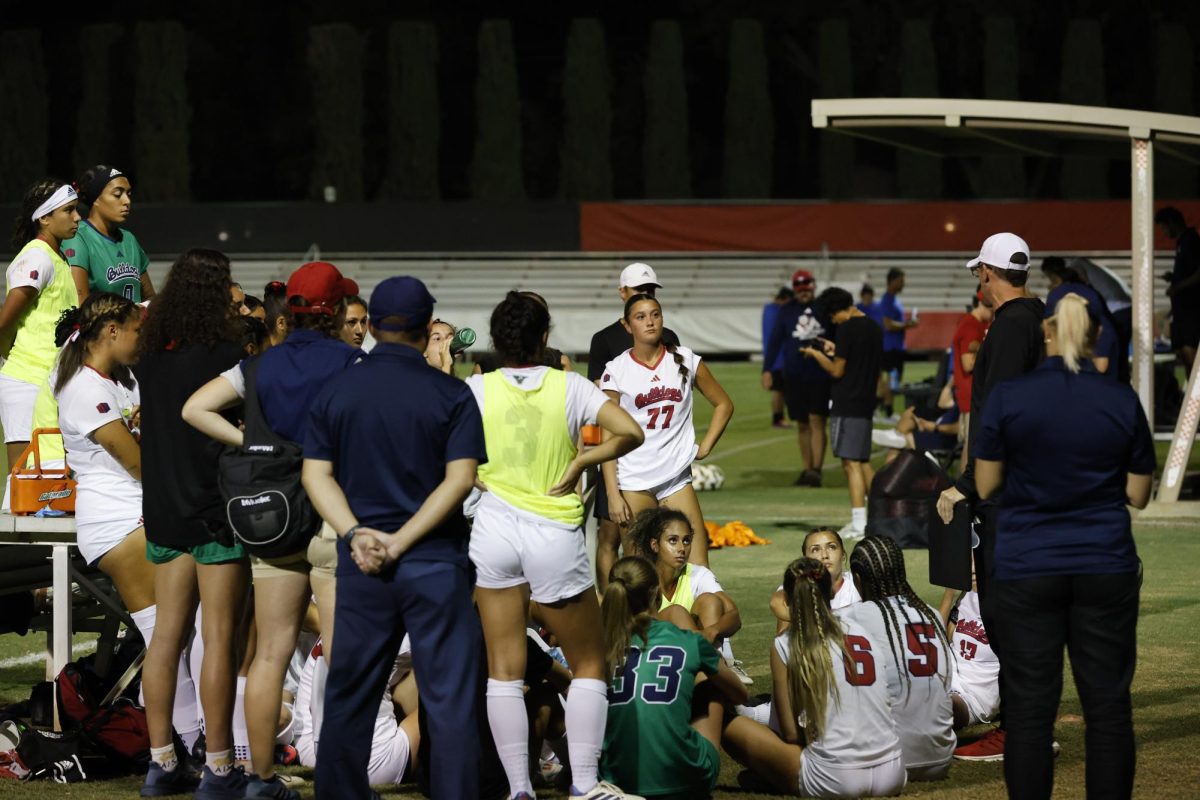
(811, 628)
(633, 301)
(90, 319)
(519, 326)
(878, 564)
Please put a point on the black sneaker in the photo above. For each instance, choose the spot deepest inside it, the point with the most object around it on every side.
(160, 783)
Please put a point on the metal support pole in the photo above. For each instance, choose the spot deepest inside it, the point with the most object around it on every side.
(1181, 443)
(60, 633)
(1142, 231)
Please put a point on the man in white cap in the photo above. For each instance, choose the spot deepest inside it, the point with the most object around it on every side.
(1014, 346)
(607, 344)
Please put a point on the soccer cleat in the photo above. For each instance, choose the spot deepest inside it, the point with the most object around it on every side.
(605, 791)
(736, 668)
(230, 786)
(273, 789)
(160, 783)
(889, 438)
(989, 747)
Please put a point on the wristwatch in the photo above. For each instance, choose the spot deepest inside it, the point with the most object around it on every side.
(348, 536)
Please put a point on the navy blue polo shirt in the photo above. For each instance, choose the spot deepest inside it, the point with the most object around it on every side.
(291, 374)
(797, 324)
(1067, 441)
(390, 424)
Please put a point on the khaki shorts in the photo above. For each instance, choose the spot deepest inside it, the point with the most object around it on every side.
(320, 557)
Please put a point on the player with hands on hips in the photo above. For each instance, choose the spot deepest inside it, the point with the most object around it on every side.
(657, 392)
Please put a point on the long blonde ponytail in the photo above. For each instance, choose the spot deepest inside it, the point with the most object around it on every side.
(811, 627)
(1074, 330)
(627, 607)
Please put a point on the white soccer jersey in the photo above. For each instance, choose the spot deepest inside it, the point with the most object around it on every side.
(858, 729)
(660, 399)
(106, 491)
(847, 594)
(921, 704)
(977, 669)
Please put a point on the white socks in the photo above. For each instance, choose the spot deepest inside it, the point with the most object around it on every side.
(726, 651)
(186, 715)
(241, 737)
(858, 518)
(219, 763)
(510, 730)
(165, 757)
(586, 717)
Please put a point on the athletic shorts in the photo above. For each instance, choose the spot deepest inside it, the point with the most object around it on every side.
(16, 408)
(207, 553)
(320, 556)
(600, 506)
(851, 437)
(95, 539)
(820, 779)
(510, 547)
(704, 771)
(669, 486)
(893, 360)
(981, 698)
(805, 397)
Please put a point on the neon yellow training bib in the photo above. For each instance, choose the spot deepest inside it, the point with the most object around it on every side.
(683, 592)
(529, 445)
(33, 351)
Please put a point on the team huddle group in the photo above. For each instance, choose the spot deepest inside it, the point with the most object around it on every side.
(475, 652)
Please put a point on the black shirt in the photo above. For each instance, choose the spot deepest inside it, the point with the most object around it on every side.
(610, 342)
(860, 342)
(181, 504)
(1187, 261)
(1014, 345)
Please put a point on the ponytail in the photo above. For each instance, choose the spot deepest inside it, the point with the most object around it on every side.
(811, 628)
(1074, 329)
(683, 370)
(25, 228)
(626, 608)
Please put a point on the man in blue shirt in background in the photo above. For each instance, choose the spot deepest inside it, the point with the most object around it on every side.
(867, 305)
(891, 311)
(391, 454)
(769, 315)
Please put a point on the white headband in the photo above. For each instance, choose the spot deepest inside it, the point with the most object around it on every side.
(62, 195)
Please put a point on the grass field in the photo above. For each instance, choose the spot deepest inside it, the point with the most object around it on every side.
(760, 463)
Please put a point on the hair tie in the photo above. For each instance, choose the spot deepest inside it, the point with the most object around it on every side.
(814, 575)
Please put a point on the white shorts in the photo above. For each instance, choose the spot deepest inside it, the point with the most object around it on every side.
(388, 763)
(510, 547)
(16, 408)
(669, 486)
(982, 699)
(819, 779)
(95, 539)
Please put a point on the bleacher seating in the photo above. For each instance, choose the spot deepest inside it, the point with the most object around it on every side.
(713, 301)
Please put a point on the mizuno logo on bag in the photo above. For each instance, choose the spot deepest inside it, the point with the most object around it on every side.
(255, 501)
(261, 448)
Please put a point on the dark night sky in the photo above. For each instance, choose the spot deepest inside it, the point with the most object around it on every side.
(248, 87)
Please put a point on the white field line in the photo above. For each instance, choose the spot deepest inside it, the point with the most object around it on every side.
(81, 649)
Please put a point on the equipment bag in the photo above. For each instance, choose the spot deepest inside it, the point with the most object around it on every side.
(903, 499)
(265, 503)
(119, 729)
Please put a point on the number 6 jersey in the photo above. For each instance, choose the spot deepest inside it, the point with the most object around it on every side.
(660, 399)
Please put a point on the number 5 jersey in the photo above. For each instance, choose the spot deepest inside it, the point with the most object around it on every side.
(659, 397)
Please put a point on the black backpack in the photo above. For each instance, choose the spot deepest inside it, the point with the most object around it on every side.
(265, 503)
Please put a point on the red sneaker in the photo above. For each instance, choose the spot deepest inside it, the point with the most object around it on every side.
(989, 747)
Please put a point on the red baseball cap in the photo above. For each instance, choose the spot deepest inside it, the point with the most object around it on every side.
(321, 285)
(803, 277)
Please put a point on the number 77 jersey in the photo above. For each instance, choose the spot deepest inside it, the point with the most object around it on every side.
(919, 686)
(659, 397)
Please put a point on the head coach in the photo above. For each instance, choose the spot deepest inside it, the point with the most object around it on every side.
(402, 551)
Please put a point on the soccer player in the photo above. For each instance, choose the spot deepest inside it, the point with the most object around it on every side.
(664, 726)
(823, 545)
(527, 541)
(354, 330)
(832, 701)
(920, 652)
(104, 256)
(657, 392)
(39, 289)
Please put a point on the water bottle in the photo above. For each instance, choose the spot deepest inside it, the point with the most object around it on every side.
(462, 340)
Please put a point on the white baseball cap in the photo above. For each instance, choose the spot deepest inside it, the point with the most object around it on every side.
(638, 274)
(998, 251)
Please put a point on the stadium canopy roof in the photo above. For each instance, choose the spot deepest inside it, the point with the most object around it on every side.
(971, 128)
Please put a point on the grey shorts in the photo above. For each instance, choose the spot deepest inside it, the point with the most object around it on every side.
(851, 437)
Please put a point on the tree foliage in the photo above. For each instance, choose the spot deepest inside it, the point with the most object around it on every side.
(25, 109)
(586, 171)
(496, 172)
(414, 125)
(161, 114)
(749, 118)
(335, 63)
(665, 154)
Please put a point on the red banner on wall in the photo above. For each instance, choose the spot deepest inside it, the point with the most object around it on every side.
(1068, 226)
